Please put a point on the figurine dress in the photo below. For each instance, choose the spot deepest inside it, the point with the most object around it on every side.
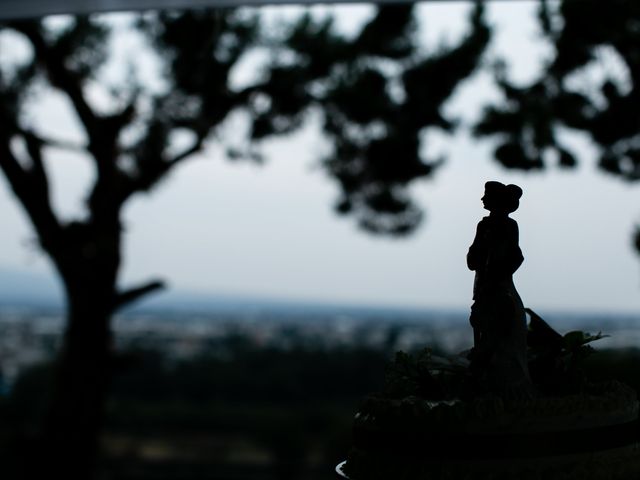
(497, 314)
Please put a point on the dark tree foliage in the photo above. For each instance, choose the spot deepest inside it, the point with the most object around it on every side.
(376, 94)
(528, 122)
(376, 102)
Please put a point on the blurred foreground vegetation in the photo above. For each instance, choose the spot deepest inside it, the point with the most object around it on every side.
(241, 412)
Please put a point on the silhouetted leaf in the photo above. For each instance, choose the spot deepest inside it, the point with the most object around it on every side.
(575, 339)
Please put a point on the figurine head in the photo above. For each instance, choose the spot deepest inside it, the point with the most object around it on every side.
(501, 198)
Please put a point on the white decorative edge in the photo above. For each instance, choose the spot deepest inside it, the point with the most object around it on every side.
(339, 471)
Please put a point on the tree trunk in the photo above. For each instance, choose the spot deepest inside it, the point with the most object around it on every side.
(82, 376)
(74, 419)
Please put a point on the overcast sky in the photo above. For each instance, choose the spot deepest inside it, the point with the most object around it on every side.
(270, 231)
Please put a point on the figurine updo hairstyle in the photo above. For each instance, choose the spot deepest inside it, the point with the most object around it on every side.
(506, 197)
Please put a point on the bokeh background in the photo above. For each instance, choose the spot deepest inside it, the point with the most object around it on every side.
(280, 314)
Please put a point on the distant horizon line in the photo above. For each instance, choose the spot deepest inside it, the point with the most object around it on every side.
(200, 303)
(42, 291)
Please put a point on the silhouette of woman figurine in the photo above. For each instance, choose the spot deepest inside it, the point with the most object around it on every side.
(499, 355)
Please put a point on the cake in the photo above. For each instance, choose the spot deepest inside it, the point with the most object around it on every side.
(591, 435)
(430, 422)
(518, 405)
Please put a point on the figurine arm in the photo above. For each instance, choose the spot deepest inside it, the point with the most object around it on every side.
(477, 255)
(516, 258)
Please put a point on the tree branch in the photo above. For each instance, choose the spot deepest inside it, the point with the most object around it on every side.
(195, 148)
(31, 187)
(153, 172)
(59, 75)
(12, 169)
(37, 172)
(102, 131)
(131, 295)
(54, 143)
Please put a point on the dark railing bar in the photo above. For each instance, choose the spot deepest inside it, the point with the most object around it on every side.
(18, 9)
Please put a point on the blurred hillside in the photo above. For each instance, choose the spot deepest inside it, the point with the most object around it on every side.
(258, 401)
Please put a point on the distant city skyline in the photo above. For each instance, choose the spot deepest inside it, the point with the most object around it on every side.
(269, 231)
